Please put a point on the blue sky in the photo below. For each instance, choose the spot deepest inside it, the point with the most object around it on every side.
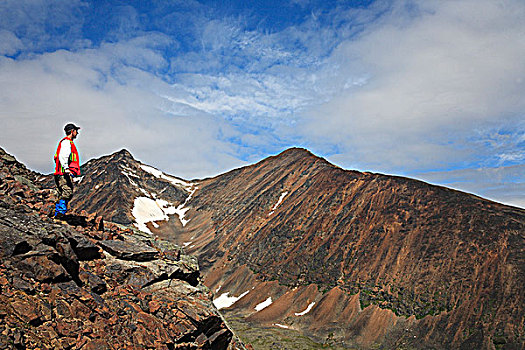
(426, 89)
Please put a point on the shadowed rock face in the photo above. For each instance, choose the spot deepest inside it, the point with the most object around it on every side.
(431, 266)
(83, 283)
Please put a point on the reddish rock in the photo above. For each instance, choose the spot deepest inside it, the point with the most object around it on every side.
(154, 306)
(68, 328)
(58, 291)
(66, 342)
(26, 310)
(80, 310)
(43, 269)
(450, 260)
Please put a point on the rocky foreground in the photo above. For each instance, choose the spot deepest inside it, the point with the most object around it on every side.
(87, 284)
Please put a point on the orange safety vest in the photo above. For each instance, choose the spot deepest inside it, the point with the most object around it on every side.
(74, 160)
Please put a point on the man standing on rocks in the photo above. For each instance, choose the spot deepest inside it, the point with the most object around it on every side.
(67, 165)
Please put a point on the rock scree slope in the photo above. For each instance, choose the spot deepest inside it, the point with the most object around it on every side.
(366, 259)
(86, 283)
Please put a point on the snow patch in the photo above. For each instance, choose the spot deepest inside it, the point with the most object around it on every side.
(281, 325)
(264, 304)
(182, 209)
(181, 212)
(278, 202)
(151, 170)
(310, 306)
(147, 210)
(225, 300)
(159, 174)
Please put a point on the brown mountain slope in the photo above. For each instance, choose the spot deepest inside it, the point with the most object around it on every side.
(406, 248)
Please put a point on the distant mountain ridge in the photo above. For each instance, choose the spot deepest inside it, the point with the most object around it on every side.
(368, 259)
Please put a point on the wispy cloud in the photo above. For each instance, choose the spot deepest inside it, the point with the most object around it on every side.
(436, 81)
(42, 25)
(502, 184)
(9, 43)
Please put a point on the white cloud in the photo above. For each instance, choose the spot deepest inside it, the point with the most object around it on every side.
(117, 107)
(434, 81)
(9, 43)
(502, 184)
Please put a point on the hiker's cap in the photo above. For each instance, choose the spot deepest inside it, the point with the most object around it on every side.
(70, 127)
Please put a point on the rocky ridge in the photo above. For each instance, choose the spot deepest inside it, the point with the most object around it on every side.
(365, 259)
(85, 283)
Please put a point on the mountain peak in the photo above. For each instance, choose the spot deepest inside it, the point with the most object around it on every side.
(297, 155)
(296, 152)
(123, 154)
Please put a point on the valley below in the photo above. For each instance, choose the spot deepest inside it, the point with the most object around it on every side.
(274, 337)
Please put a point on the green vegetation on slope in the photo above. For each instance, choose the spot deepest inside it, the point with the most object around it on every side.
(274, 338)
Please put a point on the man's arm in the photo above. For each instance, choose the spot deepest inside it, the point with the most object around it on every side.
(65, 152)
